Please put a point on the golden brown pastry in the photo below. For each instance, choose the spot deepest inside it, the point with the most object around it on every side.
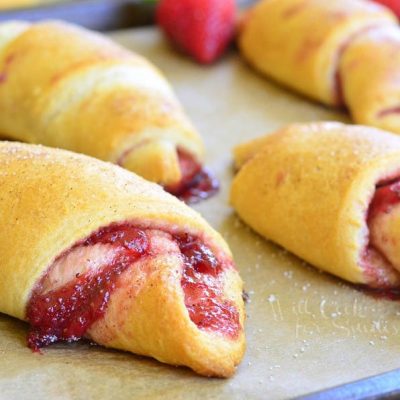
(67, 87)
(329, 193)
(370, 73)
(91, 250)
(299, 42)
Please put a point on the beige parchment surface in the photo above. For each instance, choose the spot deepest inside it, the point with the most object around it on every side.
(306, 330)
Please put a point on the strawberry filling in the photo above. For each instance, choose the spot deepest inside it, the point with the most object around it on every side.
(386, 196)
(381, 259)
(202, 289)
(197, 183)
(66, 303)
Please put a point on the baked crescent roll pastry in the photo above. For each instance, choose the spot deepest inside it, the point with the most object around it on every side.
(89, 250)
(370, 73)
(299, 42)
(329, 193)
(67, 87)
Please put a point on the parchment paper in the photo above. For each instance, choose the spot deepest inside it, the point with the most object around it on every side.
(306, 330)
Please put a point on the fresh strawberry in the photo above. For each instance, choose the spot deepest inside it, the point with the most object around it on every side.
(201, 28)
(394, 5)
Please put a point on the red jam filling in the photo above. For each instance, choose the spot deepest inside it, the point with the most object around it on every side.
(386, 196)
(197, 183)
(203, 292)
(392, 294)
(66, 313)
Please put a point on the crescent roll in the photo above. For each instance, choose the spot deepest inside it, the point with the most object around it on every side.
(64, 86)
(90, 250)
(329, 193)
(370, 73)
(299, 42)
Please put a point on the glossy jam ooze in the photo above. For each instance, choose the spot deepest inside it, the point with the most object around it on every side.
(203, 291)
(197, 183)
(385, 197)
(66, 313)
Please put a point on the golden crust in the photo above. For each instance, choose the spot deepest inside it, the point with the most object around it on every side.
(311, 185)
(51, 199)
(153, 318)
(66, 87)
(298, 42)
(370, 72)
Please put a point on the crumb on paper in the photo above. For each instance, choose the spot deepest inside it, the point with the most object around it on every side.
(272, 298)
(288, 274)
(306, 287)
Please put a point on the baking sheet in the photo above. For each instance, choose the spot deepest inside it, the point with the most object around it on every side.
(306, 331)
